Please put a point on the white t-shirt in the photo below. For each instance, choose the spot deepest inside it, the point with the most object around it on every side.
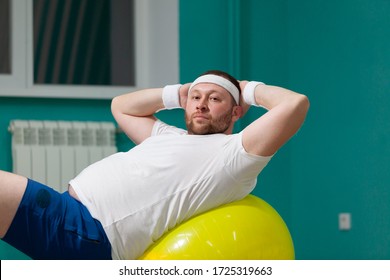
(140, 194)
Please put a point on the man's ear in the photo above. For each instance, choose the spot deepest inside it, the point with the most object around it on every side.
(237, 112)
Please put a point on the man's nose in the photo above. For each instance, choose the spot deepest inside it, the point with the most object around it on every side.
(202, 104)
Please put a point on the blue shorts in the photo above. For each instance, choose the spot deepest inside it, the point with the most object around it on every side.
(49, 225)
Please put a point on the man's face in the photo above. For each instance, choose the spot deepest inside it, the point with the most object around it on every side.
(209, 110)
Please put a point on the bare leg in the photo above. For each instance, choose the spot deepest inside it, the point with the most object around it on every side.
(12, 188)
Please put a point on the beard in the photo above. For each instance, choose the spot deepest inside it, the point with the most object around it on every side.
(210, 126)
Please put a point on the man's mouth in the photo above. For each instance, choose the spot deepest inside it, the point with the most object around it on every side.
(200, 116)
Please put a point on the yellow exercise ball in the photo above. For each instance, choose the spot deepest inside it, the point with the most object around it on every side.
(248, 229)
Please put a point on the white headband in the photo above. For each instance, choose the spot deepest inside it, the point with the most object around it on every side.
(218, 80)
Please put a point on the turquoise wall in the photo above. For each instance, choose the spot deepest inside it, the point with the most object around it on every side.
(337, 53)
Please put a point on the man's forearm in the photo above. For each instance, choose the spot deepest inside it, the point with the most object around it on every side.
(286, 113)
(271, 96)
(141, 103)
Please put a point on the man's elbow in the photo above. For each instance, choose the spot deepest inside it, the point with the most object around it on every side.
(115, 107)
(303, 103)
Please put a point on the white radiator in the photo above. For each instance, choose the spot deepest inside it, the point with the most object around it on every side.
(53, 152)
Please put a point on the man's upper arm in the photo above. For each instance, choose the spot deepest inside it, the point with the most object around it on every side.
(137, 128)
(134, 112)
(271, 131)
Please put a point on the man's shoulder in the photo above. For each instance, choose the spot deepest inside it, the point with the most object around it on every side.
(161, 127)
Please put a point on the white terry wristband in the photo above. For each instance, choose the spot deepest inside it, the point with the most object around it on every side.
(170, 96)
(249, 93)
